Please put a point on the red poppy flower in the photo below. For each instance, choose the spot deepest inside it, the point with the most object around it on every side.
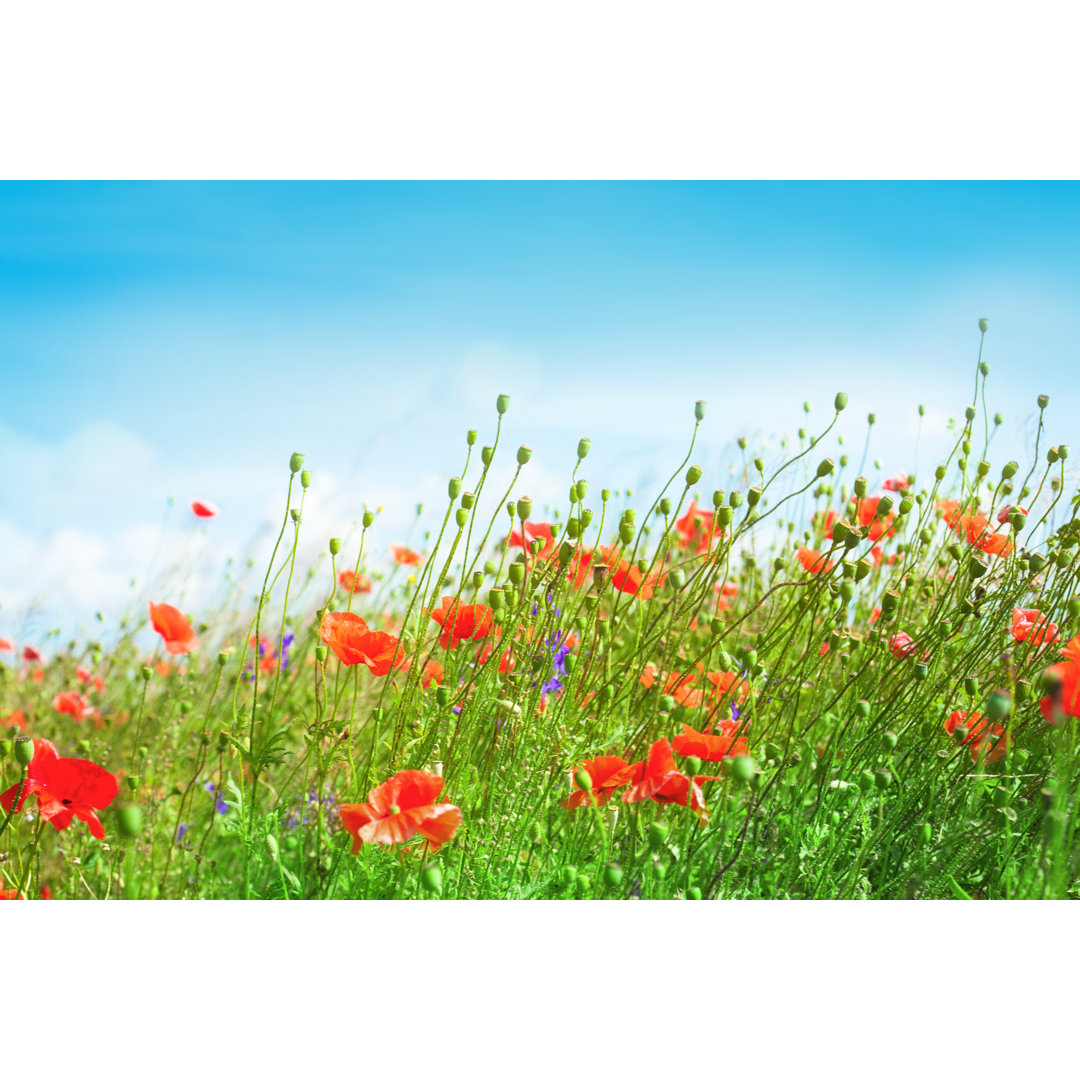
(73, 704)
(866, 511)
(725, 683)
(6, 646)
(697, 528)
(662, 782)
(1064, 679)
(86, 676)
(404, 556)
(813, 562)
(627, 577)
(11, 894)
(1030, 624)
(433, 673)
(46, 892)
(174, 628)
(535, 531)
(727, 588)
(353, 643)
(902, 644)
(16, 718)
(975, 528)
(399, 809)
(65, 788)
(461, 622)
(353, 582)
(204, 509)
(897, 482)
(163, 667)
(579, 570)
(506, 658)
(31, 655)
(710, 746)
(980, 732)
(607, 773)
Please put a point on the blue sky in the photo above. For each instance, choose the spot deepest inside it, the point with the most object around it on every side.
(182, 339)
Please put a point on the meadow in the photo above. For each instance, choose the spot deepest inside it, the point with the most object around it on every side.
(813, 685)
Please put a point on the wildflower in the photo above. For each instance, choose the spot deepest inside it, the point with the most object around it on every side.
(1064, 681)
(433, 673)
(461, 622)
(163, 667)
(354, 583)
(353, 642)
(399, 809)
(1030, 624)
(31, 655)
(506, 660)
(607, 774)
(628, 578)
(813, 562)
(866, 512)
(73, 704)
(974, 528)
(580, 569)
(181, 832)
(727, 588)
(86, 676)
(16, 719)
(980, 733)
(174, 628)
(658, 779)
(697, 528)
(383, 652)
(897, 482)
(220, 805)
(1006, 512)
(46, 892)
(535, 531)
(11, 894)
(6, 646)
(65, 788)
(205, 509)
(902, 644)
(709, 746)
(404, 556)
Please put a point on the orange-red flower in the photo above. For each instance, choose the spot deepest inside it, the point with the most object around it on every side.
(658, 779)
(1030, 624)
(353, 643)
(710, 746)
(813, 562)
(31, 655)
(1005, 512)
(403, 555)
(65, 788)
(174, 628)
(607, 774)
(697, 528)
(205, 509)
(73, 704)
(433, 673)
(866, 514)
(902, 644)
(980, 732)
(1064, 678)
(399, 809)
(461, 622)
(975, 528)
(352, 582)
(6, 646)
(538, 530)
(86, 676)
(627, 577)
(897, 482)
(579, 569)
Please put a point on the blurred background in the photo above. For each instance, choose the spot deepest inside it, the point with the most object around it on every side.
(167, 342)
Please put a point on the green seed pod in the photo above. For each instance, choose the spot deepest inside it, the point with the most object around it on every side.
(296, 463)
(568, 875)
(925, 535)
(847, 591)
(889, 602)
(335, 545)
(753, 496)
(693, 893)
(582, 884)
(840, 402)
(305, 479)
(692, 766)
(660, 870)
(735, 499)
(487, 455)
(866, 780)
(129, 819)
(862, 708)
(724, 516)
(496, 596)
(581, 489)
(834, 818)
(583, 780)
(693, 475)
(741, 769)
(461, 517)
(146, 673)
(939, 472)
(442, 696)
(984, 367)
(826, 467)
(871, 419)
(1036, 562)
(998, 705)
(368, 519)
(921, 670)
(984, 325)
(470, 437)
(453, 488)
(516, 573)
(1042, 401)
(926, 832)
(969, 415)
(626, 532)
(862, 568)
(320, 654)
(295, 515)
(502, 403)
(889, 740)
(613, 874)
(477, 579)
(583, 448)
(1063, 451)
(905, 506)
(431, 879)
(971, 686)
(24, 750)
(759, 464)
(524, 507)
(664, 507)
(468, 500)
(676, 580)
(960, 733)
(573, 530)
(976, 567)
(656, 835)
(699, 411)
(524, 454)
(1009, 470)
(999, 419)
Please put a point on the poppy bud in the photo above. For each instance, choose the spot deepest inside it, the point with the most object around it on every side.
(487, 453)
(889, 740)
(862, 709)
(442, 696)
(570, 662)
(583, 448)
(524, 507)
(826, 467)
(735, 499)
(524, 454)
(468, 500)
(368, 519)
(960, 733)
(296, 462)
(693, 475)
(847, 591)
(568, 875)
(305, 479)
(997, 706)
(1036, 562)
(146, 673)
(921, 670)
(759, 463)
(573, 531)
(454, 488)
(516, 573)
(1063, 451)
(626, 532)
(866, 780)
(129, 818)
(676, 580)
(335, 545)
(925, 535)
(656, 835)
(984, 367)
(664, 507)
(884, 506)
(860, 487)
(24, 750)
(461, 517)
(320, 654)
(939, 472)
(502, 403)
(613, 874)
(582, 884)
(753, 496)
(840, 402)
(581, 489)
(583, 780)
(586, 517)
(692, 766)
(741, 769)
(999, 419)
(883, 778)
(1043, 400)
